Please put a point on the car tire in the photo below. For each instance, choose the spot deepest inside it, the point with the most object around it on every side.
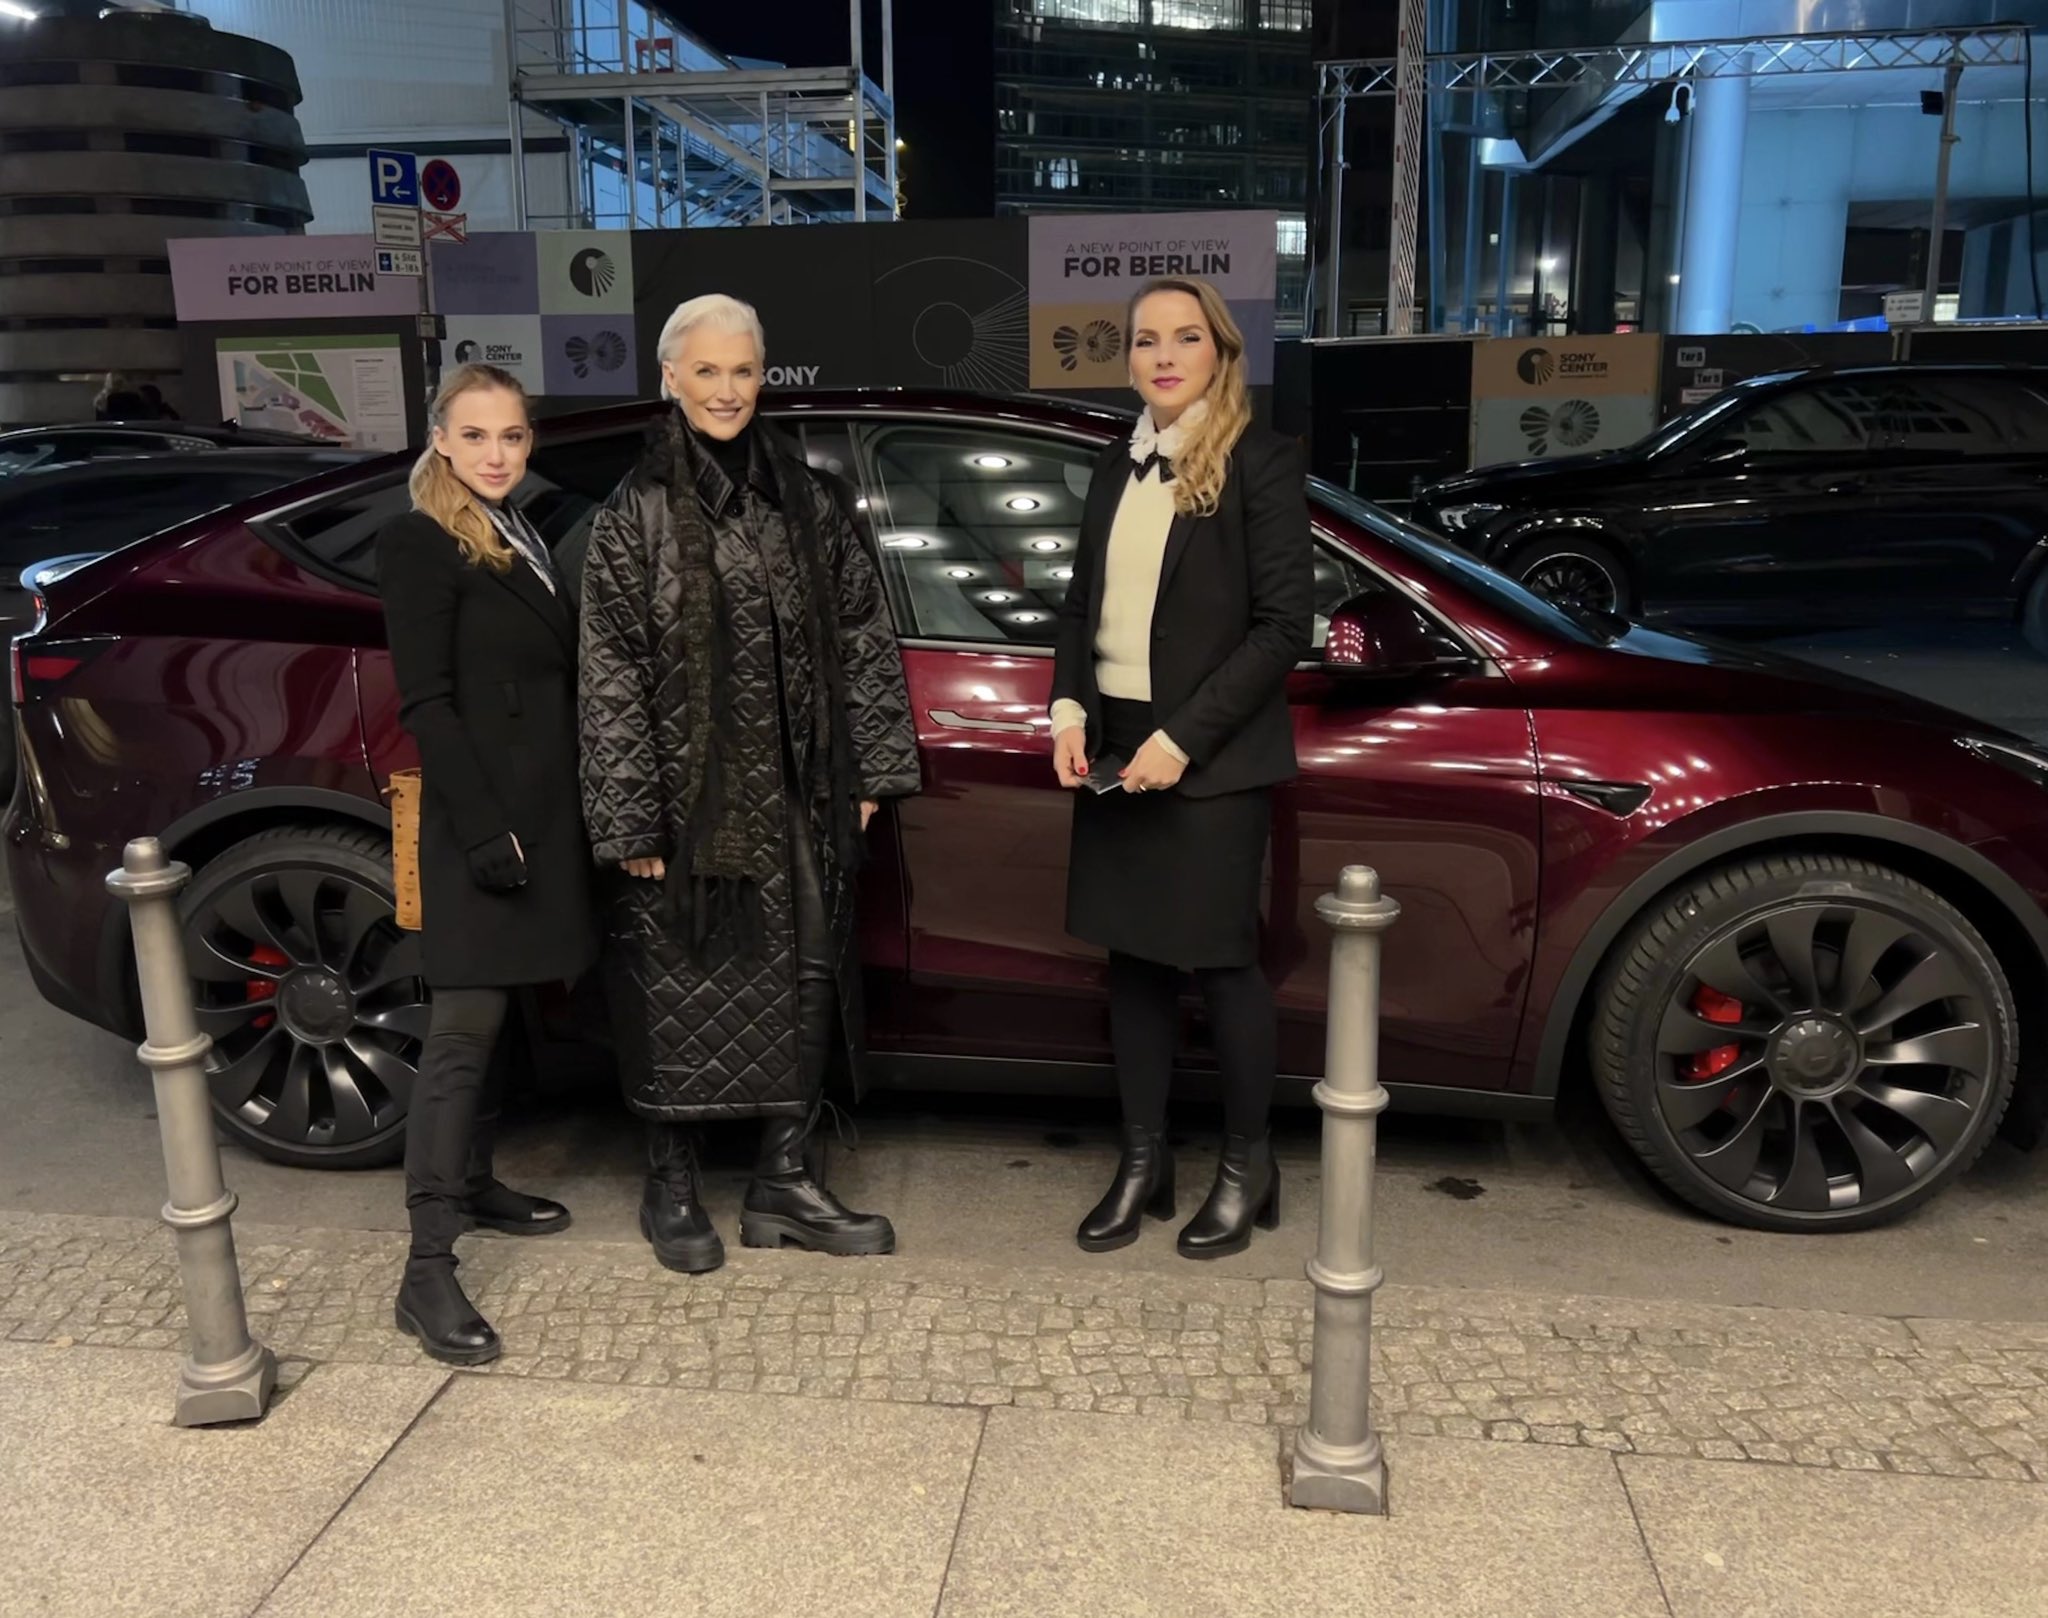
(1571, 570)
(2034, 614)
(1871, 1044)
(311, 993)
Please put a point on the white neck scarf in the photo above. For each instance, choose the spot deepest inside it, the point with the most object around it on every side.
(1148, 440)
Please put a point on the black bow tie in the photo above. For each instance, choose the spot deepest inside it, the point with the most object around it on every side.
(1158, 462)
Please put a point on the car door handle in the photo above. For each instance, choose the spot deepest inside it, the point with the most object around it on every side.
(948, 719)
(1846, 486)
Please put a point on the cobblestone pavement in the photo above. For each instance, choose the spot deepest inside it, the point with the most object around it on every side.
(1953, 1399)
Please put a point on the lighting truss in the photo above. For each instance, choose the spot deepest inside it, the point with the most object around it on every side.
(1612, 66)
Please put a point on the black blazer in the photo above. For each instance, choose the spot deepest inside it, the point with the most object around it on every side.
(1235, 613)
(486, 666)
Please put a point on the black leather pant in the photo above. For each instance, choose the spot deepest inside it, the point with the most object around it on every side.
(817, 999)
(452, 1123)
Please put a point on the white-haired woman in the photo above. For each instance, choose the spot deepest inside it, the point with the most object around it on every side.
(743, 716)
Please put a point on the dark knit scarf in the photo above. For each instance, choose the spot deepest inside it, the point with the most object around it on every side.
(714, 881)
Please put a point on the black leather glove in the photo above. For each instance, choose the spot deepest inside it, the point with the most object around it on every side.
(498, 866)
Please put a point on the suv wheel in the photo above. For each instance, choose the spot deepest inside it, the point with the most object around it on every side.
(312, 994)
(1805, 1042)
(1575, 572)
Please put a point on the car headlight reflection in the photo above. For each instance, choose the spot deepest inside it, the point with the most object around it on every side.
(1463, 519)
(2025, 761)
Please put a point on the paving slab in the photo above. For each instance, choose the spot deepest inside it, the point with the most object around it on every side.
(1083, 1514)
(106, 1509)
(517, 1498)
(1781, 1542)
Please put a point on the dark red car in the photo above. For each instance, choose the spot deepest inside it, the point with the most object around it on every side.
(1793, 924)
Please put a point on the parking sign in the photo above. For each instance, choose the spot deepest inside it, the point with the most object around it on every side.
(394, 179)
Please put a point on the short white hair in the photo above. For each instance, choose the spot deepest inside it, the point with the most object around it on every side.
(716, 311)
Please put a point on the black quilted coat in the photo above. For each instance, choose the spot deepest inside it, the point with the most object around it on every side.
(712, 1033)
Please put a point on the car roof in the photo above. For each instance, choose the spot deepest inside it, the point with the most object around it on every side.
(223, 463)
(225, 433)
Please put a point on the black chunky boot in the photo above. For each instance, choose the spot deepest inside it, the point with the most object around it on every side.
(433, 1307)
(672, 1215)
(1143, 1185)
(1246, 1192)
(785, 1207)
(431, 1303)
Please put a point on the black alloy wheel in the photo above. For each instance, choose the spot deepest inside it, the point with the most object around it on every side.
(311, 993)
(1806, 1042)
(1575, 573)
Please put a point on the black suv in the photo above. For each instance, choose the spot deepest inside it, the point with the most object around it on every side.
(1809, 498)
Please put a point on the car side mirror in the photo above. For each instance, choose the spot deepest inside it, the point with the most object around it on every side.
(1384, 634)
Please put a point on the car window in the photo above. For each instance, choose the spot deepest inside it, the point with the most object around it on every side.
(977, 528)
(342, 532)
(1339, 578)
(1830, 418)
(111, 512)
(1934, 416)
(567, 482)
(23, 454)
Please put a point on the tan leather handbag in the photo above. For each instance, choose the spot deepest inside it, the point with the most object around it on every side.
(404, 793)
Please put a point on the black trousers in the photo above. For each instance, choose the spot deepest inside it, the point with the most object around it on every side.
(817, 996)
(1144, 1021)
(452, 1124)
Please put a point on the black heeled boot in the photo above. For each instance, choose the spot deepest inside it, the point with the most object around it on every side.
(672, 1215)
(1246, 1192)
(431, 1303)
(1143, 1185)
(785, 1207)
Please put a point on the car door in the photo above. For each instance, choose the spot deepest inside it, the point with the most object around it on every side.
(1957, 502)
(1768, 517)
(976, 528)
(1433, 784)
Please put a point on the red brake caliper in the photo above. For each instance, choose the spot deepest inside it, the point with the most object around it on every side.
(1711, 1005)
(263, 988)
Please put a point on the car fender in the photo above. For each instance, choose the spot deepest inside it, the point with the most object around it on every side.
(269, 805)
(1731, 842)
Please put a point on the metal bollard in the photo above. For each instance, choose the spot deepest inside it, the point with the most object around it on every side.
(226, 1376)
(1338, 1463)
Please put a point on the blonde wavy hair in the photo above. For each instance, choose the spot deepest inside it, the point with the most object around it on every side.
(439, 493)
(1203, 464)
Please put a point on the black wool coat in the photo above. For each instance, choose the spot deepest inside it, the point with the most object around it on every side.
(1234, 614)
(716, 1037)
(486, 667)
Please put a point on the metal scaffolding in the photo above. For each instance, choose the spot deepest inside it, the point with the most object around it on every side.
(1593, 80)
(662, 132)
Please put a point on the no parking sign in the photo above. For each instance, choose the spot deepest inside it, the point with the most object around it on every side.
(441, 185)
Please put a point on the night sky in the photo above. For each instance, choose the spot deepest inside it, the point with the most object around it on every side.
(945, 64)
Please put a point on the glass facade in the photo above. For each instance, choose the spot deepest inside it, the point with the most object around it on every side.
(1115, 106)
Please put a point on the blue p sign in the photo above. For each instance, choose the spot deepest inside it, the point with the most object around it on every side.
(394, 179)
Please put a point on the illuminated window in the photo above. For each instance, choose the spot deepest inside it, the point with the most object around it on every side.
(1198, 13)
(1289, 15)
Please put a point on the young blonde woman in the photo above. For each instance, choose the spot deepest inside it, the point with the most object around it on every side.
(483, 641)
(1191, 600)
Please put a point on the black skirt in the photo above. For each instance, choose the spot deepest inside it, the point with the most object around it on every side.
(1163, 876)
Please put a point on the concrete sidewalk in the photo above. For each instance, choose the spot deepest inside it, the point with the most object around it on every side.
(403, 1490)
(837, 1438)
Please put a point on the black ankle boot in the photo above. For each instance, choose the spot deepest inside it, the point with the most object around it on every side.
(785, 1207)
(433, 1307)
(1143, 1185)
(496, 1206)
(672, 1214)
(1246, 1192)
